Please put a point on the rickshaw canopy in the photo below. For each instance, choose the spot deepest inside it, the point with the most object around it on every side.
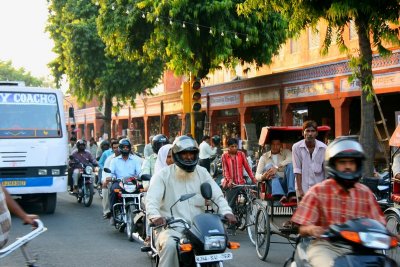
(395, 138)
(287, 134)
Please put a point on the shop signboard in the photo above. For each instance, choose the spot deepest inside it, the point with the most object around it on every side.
(380, 81)
(311, 89)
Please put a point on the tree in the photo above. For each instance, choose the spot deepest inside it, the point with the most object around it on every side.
(81, 56)
(194, 36)
(9, 73)
(377, 24)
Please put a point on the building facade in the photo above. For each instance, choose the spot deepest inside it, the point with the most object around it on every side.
(300, 84)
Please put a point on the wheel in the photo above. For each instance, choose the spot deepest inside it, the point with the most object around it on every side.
(87, 194)
(251, 220)
(263, 233)
(393, 225)
(49, 202)
(129, 223)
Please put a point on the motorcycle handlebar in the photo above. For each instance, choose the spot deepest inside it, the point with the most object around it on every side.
(23, 240)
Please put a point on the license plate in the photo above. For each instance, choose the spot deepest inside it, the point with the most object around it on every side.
(11, 183)
(129, 195)
(214, 257)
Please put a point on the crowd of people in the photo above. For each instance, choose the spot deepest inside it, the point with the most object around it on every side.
(296, 175)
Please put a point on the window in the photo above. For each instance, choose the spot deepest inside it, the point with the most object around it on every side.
(313, 38)
(294, 46)
(352, 30)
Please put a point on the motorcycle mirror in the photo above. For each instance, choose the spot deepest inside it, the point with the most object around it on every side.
(206, 191)
(145, 177)
(186, 197)
(71, 157)
(107, 170)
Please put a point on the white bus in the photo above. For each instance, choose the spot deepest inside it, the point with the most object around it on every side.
(33, 143)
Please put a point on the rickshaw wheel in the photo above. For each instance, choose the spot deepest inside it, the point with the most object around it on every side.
(393, 225)
(263, 233)
(251, 220)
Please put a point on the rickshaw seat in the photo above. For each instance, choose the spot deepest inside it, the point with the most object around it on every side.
(396, 191)
(263, 192)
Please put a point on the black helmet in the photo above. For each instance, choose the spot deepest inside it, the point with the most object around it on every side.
(183, 144)
(344, 147)
(216, 140)
(81, 143)
(158, 141)
(122, 143)
(105, 143)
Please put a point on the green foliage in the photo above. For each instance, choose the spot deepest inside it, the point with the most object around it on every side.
(81, 56)
(213, 33)
(9, 73)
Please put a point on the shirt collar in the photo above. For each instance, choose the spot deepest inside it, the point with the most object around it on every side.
(338, 190)
(268, 154)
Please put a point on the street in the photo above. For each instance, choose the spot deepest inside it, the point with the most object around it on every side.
(78, 236)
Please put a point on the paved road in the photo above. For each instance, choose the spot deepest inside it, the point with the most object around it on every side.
(78, 236)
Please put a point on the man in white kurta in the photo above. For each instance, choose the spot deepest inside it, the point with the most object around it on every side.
(166, 187)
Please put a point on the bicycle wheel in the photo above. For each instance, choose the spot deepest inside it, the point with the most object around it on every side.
(393, 225)
(87, 194)
(251, 214)
(263, 233)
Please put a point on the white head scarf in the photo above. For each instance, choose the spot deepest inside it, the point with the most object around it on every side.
(161, 161)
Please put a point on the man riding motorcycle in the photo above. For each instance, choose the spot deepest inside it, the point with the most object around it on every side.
(167, 185)
(123, 166)
(80, 156)
(148, 164)
(336, 200)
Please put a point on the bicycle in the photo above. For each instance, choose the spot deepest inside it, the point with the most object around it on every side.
(23, 242)
(245, 209)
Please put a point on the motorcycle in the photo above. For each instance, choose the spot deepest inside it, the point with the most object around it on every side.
(216, 168)
(380, 186)
(85, 184)
(366, 237)
(204, 242)
(129, 211)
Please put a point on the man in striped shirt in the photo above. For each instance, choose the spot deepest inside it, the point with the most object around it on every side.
(336, 200)
(233, 163)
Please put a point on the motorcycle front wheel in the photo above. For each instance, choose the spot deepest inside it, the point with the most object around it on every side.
(87, 194)
(129, 223)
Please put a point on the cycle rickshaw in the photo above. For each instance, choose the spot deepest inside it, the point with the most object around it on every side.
(271, 214)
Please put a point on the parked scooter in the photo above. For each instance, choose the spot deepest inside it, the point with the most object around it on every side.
(85, 184)
(204, 242)
(367, 238)
(129, 211)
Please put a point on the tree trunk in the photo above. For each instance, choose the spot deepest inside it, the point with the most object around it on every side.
(107, 115)
(367, 135)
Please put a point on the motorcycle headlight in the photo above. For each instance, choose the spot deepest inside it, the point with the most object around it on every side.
(375, 240)
(129, 188)
(88, 170)
(214, 242)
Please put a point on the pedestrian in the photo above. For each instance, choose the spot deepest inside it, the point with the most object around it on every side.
(308, 159)
(7, 205)
(206, 152)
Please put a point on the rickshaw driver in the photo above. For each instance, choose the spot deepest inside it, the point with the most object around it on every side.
(336, 200)
(276, 165)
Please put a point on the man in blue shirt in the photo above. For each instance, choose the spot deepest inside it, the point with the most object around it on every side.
(125, 165)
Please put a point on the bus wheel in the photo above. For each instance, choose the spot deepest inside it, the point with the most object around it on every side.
(49, 203)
